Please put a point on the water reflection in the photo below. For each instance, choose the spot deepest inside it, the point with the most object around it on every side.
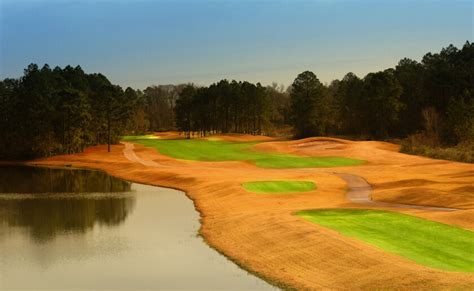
(47, 217)
(54, 180)
(94, 241)
(81, 201)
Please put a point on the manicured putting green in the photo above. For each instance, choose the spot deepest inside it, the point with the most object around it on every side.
(426, 242)
(278, 187)
(211, 150)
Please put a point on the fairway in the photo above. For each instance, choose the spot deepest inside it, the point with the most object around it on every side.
(278, 187)
(426, 242)
(206, 150)
(134, 137)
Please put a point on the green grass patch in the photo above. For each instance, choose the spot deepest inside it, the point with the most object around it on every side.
(426, 242)
(277, 187)
(212, 150)
(139, 137)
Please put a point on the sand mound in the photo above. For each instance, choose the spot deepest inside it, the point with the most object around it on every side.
(308, 146)
(322, 145)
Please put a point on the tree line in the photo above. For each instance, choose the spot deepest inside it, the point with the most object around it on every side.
(434, 98)
(55, 111)
(63, 110)
(222, 107)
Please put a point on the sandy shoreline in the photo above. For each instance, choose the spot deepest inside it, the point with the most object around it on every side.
(260, 232)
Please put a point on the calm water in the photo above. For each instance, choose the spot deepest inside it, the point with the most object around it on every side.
(79, 229)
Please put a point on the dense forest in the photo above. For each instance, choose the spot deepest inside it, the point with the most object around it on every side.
(428, 103)
(435, 97)
(223, 107)
(49, 112)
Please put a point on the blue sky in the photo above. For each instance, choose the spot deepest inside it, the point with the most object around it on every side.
(142, 42)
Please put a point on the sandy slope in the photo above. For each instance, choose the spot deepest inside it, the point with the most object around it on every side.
(260, 232)
(359, 191)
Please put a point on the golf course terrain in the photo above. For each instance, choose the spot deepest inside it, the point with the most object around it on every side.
(280, 210)
(279, 186)
(215, 150)
(426, 242)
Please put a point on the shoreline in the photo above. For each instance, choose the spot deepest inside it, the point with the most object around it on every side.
(199, 233)
(32, 163)
(246, 228)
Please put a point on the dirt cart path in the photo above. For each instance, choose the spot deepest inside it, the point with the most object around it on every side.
(359, 191)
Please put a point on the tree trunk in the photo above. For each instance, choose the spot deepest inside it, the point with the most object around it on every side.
(108, 134)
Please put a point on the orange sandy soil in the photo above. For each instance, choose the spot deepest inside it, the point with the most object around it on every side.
(260, 232)
(233, 137)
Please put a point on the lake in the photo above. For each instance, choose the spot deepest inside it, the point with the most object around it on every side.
(82, 229)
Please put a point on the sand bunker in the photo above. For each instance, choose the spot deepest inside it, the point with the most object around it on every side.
(321, 145)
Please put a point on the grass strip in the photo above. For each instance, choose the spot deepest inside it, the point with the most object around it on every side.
(211, 150)
(426, 242)
(278, 187)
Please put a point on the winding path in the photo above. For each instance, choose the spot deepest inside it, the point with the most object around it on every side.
(359, 191)
(129, 153)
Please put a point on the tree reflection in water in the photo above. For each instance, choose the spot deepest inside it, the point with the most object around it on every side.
(81, 201)
(18, 179)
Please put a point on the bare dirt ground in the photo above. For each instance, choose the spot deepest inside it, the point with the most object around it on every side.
(261, 233)
(359, 191)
